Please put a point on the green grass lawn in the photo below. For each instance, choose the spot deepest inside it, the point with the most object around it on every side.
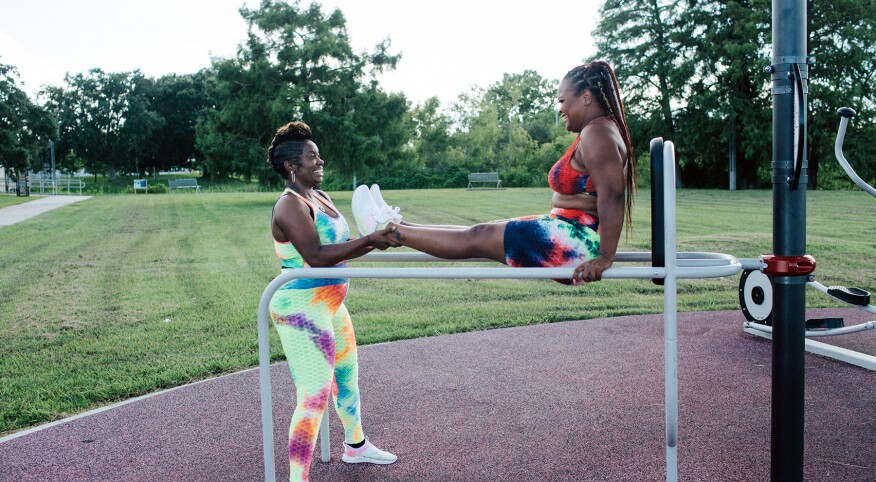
(12, 200)
(118, 296)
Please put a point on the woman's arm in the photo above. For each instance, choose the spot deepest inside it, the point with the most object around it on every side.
(293, 222)
(602, 157)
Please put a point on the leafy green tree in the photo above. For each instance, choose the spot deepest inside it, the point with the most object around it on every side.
(297, 63)
(106, 121)
(842, 37)
(432, 133)
(25, 128)
(179, 100)
(728, 107)
(643, 41)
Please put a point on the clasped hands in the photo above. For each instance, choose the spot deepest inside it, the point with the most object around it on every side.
(385, 238)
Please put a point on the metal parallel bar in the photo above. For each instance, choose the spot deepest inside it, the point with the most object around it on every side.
(670, 314)
(621, 257)
(265, 383)
(502, 273)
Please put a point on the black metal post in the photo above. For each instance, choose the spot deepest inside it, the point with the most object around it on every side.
(789, 239)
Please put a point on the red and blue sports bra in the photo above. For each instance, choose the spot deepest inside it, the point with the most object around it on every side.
(565, 179)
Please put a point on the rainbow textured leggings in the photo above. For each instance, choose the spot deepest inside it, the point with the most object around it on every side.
(317, 336)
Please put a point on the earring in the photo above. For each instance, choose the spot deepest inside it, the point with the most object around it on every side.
(293, 174)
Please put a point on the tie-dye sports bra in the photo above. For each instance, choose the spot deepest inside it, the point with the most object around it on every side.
(565, 179)
(331, 230)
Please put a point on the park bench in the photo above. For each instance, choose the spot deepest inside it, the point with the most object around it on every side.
(484, 177)
(183, 184)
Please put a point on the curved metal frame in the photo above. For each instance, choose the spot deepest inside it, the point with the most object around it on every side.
(677, 265)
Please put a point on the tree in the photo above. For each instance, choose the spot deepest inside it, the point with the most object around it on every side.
(730, 101)
(179, 100)
(296, 64)
(25, 128)
(105, 120)
(842, 37)
(642, 40)
(432, 133)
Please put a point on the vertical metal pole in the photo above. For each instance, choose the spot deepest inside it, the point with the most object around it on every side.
(789, 239)
(265, 383)
(731, 149)
(670, 314)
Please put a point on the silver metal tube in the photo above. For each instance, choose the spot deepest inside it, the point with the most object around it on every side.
(838, 151)
(869, 325)
(823, 289)
(851, 357)
(670, 307)
(623, 257)
(265, 383)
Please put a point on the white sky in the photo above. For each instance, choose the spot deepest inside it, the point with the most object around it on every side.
(447, 46)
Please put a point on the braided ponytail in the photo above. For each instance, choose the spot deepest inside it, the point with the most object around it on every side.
(599, 78)
(288, 145)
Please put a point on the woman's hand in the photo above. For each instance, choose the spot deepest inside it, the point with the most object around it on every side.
(385, 238)
(591, 270)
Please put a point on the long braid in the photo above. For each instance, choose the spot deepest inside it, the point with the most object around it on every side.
(599, 78)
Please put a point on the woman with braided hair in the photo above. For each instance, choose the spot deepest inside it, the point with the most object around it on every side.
(309, 314)
(593, 184)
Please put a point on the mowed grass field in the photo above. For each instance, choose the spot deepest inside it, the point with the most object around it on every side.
(118, 296)
(12, 199)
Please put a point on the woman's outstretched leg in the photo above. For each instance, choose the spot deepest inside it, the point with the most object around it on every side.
(478, 241)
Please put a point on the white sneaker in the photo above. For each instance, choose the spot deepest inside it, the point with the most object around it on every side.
(392, 212)
(368, 216)
(367, 453)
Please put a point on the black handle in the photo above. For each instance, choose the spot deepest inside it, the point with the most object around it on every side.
(846, 112)
(801, 130)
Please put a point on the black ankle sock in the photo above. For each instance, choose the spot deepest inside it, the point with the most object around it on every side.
(357, 445)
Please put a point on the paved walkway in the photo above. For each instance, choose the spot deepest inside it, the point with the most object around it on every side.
(20, 212)
(580, 400)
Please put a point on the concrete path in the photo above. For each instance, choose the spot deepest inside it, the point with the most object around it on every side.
(20, 212)
(580, 400)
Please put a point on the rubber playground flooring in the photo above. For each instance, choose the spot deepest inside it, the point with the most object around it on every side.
(572, 401)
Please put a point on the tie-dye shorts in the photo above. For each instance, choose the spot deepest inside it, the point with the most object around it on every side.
(562, 238)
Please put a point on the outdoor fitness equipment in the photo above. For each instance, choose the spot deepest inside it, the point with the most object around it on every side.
(667, 266)
(756, 290)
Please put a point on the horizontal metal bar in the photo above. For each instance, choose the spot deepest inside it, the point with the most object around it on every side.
(464, 273)
(501, 273)
(869, 325)
(623, 257)
(862, 360)
(752, 264)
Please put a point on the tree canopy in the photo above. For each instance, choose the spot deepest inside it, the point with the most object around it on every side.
(25, 127)
(691, 71)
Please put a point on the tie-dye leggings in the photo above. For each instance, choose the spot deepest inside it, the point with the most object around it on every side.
(320, 346)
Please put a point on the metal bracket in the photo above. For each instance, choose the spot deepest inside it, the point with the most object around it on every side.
(788, 265)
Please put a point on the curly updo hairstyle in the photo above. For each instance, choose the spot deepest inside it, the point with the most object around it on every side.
(287, 145)
(600, 80)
